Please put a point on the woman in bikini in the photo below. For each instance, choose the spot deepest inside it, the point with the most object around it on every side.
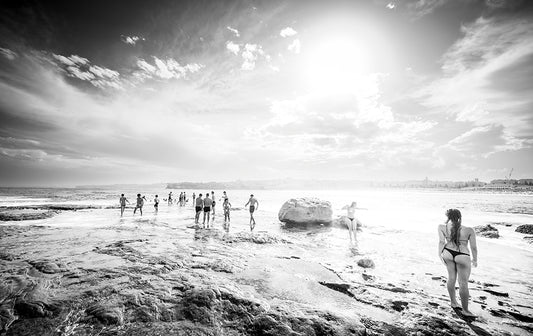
(454, 253)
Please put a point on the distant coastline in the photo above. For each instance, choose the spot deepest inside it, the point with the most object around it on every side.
(295, 184)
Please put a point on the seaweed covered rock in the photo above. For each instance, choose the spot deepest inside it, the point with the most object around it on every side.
(526, 228)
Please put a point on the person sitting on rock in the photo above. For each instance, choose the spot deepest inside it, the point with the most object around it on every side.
(454, 253)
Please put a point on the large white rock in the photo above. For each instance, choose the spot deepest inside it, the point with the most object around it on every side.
(306, 211)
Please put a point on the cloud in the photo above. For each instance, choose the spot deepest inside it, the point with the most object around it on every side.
(233, 47)
(286, 32)
(503, 3)
(250, 54)
(80, 68)
(421, 8)
(391, 5)
(234, 31)
(295, 46)
(132, 40)
(486, 78)
(165, 69)
(8, 53)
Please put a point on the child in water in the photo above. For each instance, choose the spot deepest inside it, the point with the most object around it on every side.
(227, 207)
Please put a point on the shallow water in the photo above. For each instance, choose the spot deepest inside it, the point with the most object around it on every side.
(399, 234)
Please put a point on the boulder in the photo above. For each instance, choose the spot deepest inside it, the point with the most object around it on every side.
(303, 211)
(366, 263)
(487, 231)
(343, 221)
(526, 228)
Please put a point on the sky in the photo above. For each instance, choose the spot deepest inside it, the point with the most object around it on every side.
(104, 92)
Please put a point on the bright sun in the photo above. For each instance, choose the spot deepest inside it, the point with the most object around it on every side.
(336, 65)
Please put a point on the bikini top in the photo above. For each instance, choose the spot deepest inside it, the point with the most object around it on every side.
(448, 238)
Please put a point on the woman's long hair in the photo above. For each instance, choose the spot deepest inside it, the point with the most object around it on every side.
(454, 216)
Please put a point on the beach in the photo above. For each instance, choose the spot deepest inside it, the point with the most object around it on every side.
(80, 269)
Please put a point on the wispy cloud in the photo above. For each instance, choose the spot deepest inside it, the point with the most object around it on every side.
(295, 46)
(132, 40)
(421, 8)
(165, 69)
(234, 31)
(80, 68)
(8, 53)
(486, 87)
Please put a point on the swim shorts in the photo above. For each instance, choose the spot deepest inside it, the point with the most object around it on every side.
(207, 209)
(198, 208)
(252, 208)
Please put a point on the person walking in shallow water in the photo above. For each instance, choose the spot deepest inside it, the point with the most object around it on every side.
(352, 229)
(226, 206)
(208, 203)
(123, 201)
(254, 204)
(156, 204)
(139, 205)
(453, 251)
(199, 205)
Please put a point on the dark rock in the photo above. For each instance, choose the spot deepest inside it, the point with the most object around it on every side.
(368, 277)
(366, 263)
(399, 305)
(487, 231)
(525, 228)
(339, 287)
(23, 215)
(493, 292)
(105, 314)
(47, 267)
(267, 325)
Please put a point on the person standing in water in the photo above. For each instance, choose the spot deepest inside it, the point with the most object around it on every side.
(214, 202)
(453, 251)
(170, 198)
(254, 204)
(207, 208)
(122, 201)
(139, 205)
(226, 206)
(193, 199)
(156, 204)
(199, 205)
(352, 229)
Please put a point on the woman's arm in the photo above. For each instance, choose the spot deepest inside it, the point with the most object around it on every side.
(442, 243)
(473, 246)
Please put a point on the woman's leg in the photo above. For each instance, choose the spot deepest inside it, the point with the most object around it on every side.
(463, 274)
(452, 277)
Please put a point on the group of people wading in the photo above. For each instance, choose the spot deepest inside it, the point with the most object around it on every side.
(201, 204)
(454, 238)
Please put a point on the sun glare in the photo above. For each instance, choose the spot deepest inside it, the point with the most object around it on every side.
(336, 65)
